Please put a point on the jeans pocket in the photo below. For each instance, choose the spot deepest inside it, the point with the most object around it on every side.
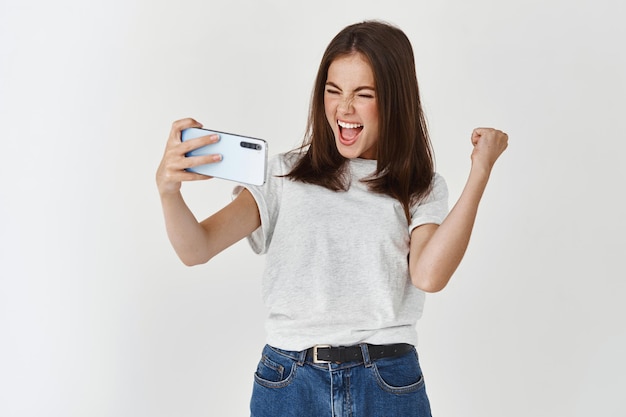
(275, 370)
(400, 375)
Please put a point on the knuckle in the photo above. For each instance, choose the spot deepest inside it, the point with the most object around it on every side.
(182, 123)
(177, 123)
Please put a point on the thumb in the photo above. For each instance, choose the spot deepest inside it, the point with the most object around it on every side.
(476, 134)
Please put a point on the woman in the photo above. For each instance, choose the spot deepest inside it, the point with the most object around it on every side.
(356, 229)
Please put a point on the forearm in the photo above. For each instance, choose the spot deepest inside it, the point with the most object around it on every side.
(186, 235)
(433, 265)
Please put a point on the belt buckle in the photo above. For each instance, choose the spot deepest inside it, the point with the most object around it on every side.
(315, 348)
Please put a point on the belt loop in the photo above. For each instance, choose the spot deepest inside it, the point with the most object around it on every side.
(341, 353)
(302, 357)
(366, 355)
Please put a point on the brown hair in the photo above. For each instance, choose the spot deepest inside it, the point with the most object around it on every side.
(405, 165)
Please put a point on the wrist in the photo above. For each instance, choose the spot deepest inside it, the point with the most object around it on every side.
(169, 192)
(480, 170)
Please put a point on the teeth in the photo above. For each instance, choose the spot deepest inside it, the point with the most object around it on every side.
(348, 125)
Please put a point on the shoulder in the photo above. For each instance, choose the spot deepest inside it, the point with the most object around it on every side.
(433, 207)
(438, 184)
(438, 191)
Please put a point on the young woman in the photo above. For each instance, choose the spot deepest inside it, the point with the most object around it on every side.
(356, 229)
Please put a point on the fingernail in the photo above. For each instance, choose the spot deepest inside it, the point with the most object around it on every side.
(217, 157)
(216, 138)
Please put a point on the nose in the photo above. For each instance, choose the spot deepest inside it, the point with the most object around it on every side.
(345, 105)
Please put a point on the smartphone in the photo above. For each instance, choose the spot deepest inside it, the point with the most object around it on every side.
(244, 159)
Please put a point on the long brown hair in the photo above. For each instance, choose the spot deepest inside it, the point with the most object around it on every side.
(405, 165)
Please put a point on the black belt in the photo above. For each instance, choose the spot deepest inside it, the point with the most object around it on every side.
(340, 354)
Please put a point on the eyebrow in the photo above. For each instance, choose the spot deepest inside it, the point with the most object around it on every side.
(363, 87)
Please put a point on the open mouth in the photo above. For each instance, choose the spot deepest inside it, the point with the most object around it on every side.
(348, 132)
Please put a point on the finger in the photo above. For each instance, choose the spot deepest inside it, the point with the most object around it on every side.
(476, 135)
(195, 143)
(194, 161)
(177, 173)
(192, 176)
(180, 164)
(180, 125)
(480, 132)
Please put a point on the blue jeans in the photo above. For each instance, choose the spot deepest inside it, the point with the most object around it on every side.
(286, 384)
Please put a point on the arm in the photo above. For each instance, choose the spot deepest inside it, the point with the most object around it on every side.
(436, 251)
(196, 242)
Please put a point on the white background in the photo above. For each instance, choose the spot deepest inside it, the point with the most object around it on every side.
(99, 318)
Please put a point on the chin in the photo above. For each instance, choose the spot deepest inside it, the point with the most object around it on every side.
(351, 154)
(347, 152)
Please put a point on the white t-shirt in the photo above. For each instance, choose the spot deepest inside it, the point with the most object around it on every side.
(337, 261)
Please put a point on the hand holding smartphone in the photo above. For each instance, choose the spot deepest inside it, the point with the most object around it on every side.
(244, 158)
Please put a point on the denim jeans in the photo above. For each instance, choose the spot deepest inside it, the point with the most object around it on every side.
(286, 384)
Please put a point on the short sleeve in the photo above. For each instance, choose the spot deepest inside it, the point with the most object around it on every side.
(433, 208)
(267, 197)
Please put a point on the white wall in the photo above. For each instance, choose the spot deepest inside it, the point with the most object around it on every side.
(99, 318)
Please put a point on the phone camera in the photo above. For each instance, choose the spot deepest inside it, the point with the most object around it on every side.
(250, 145)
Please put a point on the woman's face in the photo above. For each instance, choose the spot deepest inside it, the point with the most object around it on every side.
(351, 106)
